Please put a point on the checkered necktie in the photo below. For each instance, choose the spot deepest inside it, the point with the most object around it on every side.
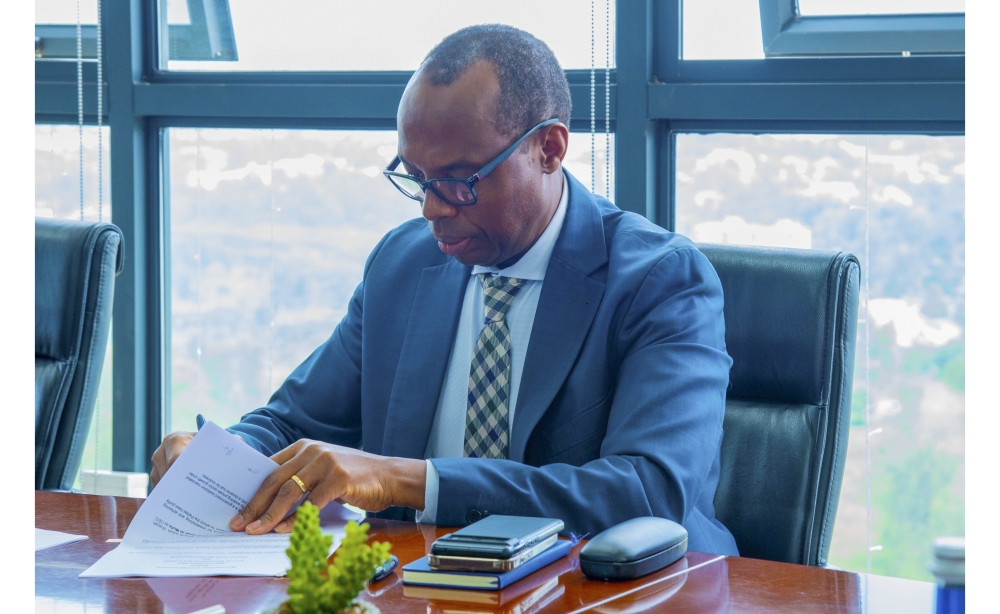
(487, 432)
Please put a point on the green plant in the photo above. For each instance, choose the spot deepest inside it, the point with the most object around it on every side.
(318, 588)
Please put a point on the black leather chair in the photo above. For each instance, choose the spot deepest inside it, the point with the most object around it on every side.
(791, 319)
(75, 268)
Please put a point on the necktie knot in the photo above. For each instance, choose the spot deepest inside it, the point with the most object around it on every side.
(498, 293)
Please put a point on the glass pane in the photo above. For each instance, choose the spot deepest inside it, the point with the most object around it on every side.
(57, 172)
(64, 11)
(269, 233)
(879, 7)
(57, 194)
(578, 162)
(816, 191)
(722, 30)
(391, 34)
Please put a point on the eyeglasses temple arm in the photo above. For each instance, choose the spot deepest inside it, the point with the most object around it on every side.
(506, 153)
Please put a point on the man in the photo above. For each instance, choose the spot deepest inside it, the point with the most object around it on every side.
(550, 354)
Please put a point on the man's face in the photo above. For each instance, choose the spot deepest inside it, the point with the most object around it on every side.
(448, 131)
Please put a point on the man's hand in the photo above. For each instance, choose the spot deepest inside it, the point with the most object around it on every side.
(331, 472)
(171, 447)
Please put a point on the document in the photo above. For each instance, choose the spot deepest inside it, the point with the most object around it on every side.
(50, 539)
(182, 529)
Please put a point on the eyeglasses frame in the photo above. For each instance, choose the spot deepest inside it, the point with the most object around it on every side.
(470, 181)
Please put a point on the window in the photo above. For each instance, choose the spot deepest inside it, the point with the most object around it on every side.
(64, 11)
(898, 204)
(57, 173)
(808, 8)
(721, 30)
(754, 29)
(823, 27)
(269, 232)
(57, 194)
(55, 28)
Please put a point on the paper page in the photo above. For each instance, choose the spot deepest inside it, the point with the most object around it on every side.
(182, 529)
(50, 539)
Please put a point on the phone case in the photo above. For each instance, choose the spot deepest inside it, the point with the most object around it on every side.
(467, 563)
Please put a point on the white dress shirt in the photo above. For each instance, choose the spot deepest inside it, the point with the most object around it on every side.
(447, 438)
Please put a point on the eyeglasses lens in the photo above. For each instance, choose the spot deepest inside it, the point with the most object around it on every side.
(408, 186)
(456, 192)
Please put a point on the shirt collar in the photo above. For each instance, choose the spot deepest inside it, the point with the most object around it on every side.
(533, 263)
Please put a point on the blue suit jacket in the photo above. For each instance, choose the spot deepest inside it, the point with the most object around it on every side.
(622, 394)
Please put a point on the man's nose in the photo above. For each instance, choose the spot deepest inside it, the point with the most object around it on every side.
(434, 208)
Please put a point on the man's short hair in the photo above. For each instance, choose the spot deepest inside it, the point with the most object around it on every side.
(533, 87)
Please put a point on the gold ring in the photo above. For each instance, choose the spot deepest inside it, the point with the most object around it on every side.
(298, 481)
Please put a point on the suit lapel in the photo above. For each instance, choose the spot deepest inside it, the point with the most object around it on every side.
(566, 308)
(427, 344)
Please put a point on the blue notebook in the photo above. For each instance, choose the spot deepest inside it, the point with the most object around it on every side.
(419, 572)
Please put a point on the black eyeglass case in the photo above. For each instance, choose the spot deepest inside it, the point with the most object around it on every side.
(633, 549)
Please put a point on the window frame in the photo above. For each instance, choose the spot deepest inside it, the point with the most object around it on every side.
(785, 32)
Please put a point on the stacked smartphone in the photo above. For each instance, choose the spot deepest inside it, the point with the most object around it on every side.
(494, 544)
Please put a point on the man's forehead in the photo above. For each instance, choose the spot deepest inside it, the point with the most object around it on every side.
(444, 152)
(449, 123)
(473, 95)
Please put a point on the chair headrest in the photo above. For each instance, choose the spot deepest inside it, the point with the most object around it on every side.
(778, 303)
(65, 253)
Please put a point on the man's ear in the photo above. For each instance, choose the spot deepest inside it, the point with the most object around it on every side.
(554, 141)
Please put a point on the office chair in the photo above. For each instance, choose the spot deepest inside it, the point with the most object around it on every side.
(791, 318)
(75, 268)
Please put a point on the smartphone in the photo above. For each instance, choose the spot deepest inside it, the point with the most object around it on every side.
(468, 563)
(497, 537)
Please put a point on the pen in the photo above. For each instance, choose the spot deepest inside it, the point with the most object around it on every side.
(201, 421)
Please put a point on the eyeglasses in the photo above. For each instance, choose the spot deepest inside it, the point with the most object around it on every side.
(455, 191)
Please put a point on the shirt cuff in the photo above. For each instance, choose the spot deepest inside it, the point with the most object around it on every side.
(429, 514)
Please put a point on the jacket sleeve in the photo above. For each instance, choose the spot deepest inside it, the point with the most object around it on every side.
(321, 399)
(664, 429)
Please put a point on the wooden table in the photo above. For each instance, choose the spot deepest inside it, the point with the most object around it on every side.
(697, 583)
